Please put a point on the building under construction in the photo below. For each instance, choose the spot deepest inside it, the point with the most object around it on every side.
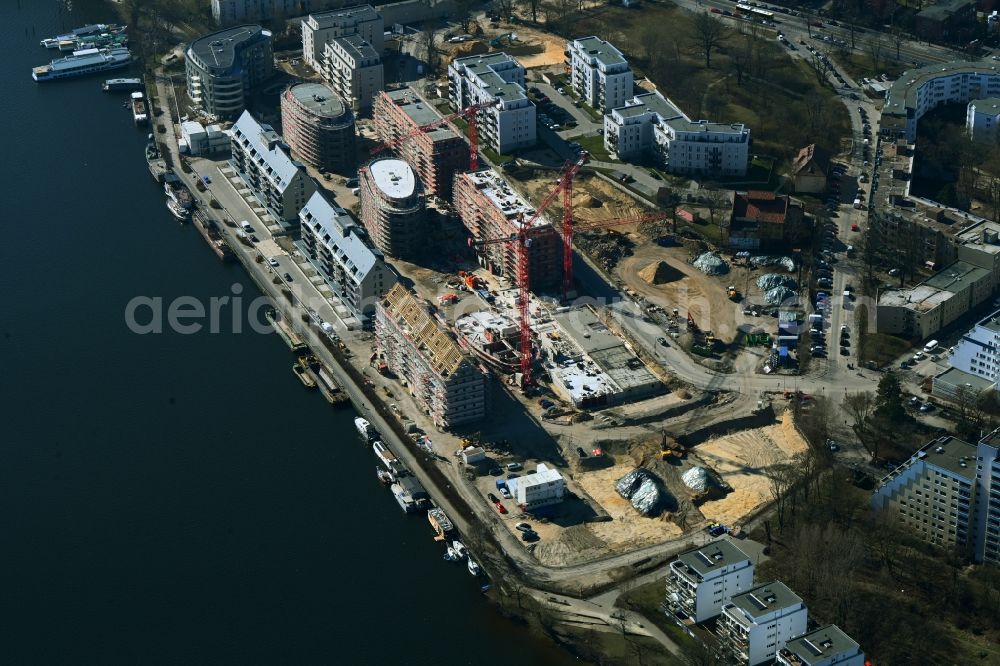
(445, 383)
(490, 209)
(436, 155)
(318, 127)
(392, 208)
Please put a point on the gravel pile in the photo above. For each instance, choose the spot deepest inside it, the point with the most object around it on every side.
(711, 263)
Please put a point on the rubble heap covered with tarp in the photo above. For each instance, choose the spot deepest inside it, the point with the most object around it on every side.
(711, 263)
(767, 260)
(640, 487)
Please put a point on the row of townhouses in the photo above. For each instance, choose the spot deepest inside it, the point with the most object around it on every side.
(756, 623)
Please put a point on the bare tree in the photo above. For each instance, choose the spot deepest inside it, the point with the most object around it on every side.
(428, 38)
(651, 40)
(709, 33)
(875, 48)
(533, 6)
(861, 408)
(506, 8)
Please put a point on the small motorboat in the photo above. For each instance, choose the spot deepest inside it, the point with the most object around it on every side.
(474, 568)
(384, 476)
(451, 556)
(460, 548)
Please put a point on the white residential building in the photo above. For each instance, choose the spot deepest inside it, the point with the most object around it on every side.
(651, 123)
(703, 579)
(982, 118)
(265, 164)
(340, 251)
(496, 77)
(197, 139)
(978, 351)
(918, 91)
(825, 646)
(600, 74)
(756, 625)
(353, 68)
(319, 29)
(532, 491)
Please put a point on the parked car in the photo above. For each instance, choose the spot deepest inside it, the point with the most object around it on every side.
(272, 261)
(580, 452)
(288, 277)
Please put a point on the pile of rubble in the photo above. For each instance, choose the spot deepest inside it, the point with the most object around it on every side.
(710, 263)
(778, 289)
(606, 248)
(641, 488)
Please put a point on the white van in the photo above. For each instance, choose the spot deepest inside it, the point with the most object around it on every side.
(930, 346)
(245, 226)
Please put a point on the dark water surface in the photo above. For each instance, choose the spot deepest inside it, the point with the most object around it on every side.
(178, 498)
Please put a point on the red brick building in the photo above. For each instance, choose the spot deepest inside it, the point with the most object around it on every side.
(436, 156)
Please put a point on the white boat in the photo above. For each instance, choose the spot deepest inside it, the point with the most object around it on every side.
(474, 568)
(365, 428)
(450, 555)
(178, 211)
(139, 114)
(80, 63)
(460, 548)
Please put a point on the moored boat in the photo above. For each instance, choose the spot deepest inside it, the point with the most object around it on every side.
(139, 114)
(121, 85)
(450, 555)
(303, 376)
(474, 568)
(385, 477)
(178, 211)
(83, 62)
(206, 227)
(460, 548)
(365, 429)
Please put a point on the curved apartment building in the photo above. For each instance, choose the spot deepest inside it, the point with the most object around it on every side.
(318, 127)
(224, 67)
(392, 207)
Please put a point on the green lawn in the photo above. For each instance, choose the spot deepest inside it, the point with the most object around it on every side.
(646, 599)
(883, 348)
(593, 145)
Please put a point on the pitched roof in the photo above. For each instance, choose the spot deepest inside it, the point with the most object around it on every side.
(811, 161)
(335, 227)
(760, 206)
(266, 147)
(433, 343)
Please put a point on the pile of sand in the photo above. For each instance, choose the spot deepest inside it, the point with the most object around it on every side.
(592, 201)
(659, 272)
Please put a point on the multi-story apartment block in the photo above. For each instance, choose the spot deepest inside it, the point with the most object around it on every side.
(948, 494)
(918, 91)
(490, 208)
(437, 154)
(319, 127)
(319, 29)
(392, 208)
(703, 579)
(982, 118)
(415, 347)
(227, 12)
(652, 124)
(510, 123)
(599, 73)
(824, 646)
(339, 250)
(755, 625)
(353, 68)
(223, 68)
(938, 301)
(265, 164)
(978, 351)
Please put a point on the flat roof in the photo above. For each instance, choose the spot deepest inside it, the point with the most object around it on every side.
(484, 68)
(954, 277)
(975, 236)
(947, 453)
(601, 50)
(991, 322)
(543, 474)
(920, 298)
(420, 112)
(986, 105)
(765, 599)
(319, 99)
(944, 9)
(903, 92)
(957, 377)
(607, 351)
(652, 102)
(360, 14)
(394, 177)
(357, 46)
(712, 557)
(819, 645)
(503, 197)
(219, 48)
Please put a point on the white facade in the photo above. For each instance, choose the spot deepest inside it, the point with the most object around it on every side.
(824, 646)
(600, 74)
(202, 140)
(978, 351)
(982, 118)
(986, 517)
(319, 29)
(703, 579)
(353, 68)
(264, 163)
(340, 251)
(755, 625)
(918, 91)
(652, 123)
(544, 487)
(510, 124)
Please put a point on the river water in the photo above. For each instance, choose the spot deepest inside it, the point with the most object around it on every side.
(178, 498)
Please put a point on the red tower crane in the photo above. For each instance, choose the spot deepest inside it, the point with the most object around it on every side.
(469, 113)
(526, 229)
